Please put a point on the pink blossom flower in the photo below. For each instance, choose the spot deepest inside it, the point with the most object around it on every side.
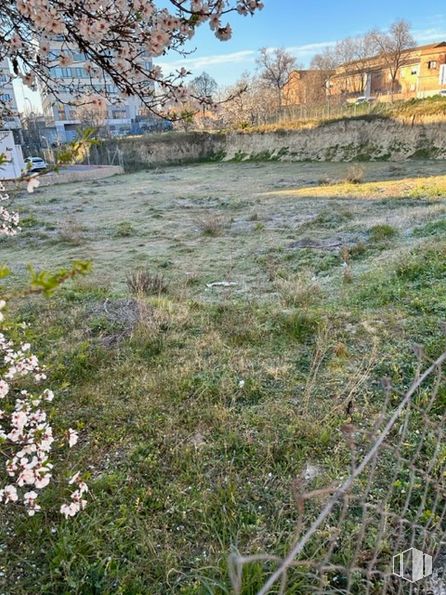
(9, 494)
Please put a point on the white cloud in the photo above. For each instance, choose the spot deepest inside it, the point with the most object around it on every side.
(245, 59)
(197, 63)
(242, 57)
(430, 35)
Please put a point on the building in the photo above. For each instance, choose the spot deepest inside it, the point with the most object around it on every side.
(10, 127)
(70, 106)
(422, 74)
(305, 87)
(11, 120)
(15, 164)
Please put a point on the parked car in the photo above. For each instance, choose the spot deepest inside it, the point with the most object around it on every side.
(442, 92)
(34, 164)
(363, 99)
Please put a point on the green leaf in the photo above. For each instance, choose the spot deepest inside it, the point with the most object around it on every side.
(47, 282)
(4, 271)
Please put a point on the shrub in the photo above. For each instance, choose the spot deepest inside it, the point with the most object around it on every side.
(124, 229)
(355, 174)
(71, 232)
(143, 282)
(211, 226)
(382, 232)
(302, 290)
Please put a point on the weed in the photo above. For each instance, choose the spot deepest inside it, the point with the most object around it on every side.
(330, 218)
(28, 221)
(430, 229)
(71, 233)
(211, 225)
(301, 291)
(379, 233)
(144, 282)
(124, 229)
(355, 174)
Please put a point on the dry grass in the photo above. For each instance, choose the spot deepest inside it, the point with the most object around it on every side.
(355, 174)
(199, 408)
(71, 232)
(422, 188)
(144, 282)
(301, 291)
(211, 225)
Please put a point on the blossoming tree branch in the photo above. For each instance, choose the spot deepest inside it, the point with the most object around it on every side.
(115, 37)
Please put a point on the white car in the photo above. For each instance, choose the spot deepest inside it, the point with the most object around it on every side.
(442, 92)
(34, 164)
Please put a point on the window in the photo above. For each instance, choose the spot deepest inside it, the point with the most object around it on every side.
(118, 114)
(5, 97)
(432, 64)
(414, 70)
(78, 57)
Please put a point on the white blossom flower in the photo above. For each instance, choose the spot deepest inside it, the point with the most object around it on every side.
(73, 437)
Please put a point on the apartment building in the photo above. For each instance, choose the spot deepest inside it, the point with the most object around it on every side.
(422, 74)
(67, 108)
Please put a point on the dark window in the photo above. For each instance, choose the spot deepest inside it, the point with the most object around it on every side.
(432, 64)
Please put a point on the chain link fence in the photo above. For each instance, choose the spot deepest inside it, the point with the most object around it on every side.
(349, 534)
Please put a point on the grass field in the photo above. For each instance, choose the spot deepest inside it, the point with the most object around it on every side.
(200, 405)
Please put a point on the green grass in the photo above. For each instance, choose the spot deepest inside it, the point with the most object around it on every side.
(195, 407)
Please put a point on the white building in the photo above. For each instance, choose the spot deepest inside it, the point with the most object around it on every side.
(64, 107)
(15, 163)
(8, 98)
(10, 128)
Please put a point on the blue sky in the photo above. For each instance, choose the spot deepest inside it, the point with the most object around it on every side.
(304, 27)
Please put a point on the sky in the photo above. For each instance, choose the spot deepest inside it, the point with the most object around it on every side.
(303, 27)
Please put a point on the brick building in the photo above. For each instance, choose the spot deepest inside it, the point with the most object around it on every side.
(422, 74)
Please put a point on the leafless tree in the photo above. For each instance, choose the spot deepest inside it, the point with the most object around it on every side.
(275, 67)
(324, 65)
(92, 115)
(391, 46)
(204, 85)
(249, 102)
(354, 54)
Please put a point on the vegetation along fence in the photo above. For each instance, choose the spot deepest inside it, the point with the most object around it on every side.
(350, 534)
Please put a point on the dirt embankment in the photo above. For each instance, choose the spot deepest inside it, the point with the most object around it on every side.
(344, 140)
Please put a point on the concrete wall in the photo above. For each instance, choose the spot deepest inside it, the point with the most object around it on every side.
(346, 140)
(80, 174)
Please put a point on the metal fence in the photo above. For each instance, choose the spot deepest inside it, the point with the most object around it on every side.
(326, 111)
(349, 535)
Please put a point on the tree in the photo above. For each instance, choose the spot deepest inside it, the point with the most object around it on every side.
(391, 46)
(354, 54)
(117, 38)
(325, 65)
(92, 112)
(204, 86)
(275, 67)
(249, 102)
(114, 36)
